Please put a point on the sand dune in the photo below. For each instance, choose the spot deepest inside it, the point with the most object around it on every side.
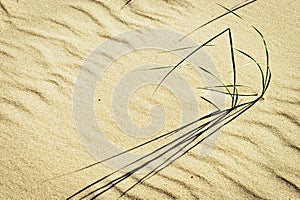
(43, 46)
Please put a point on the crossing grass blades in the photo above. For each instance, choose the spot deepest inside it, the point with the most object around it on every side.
(206, 125)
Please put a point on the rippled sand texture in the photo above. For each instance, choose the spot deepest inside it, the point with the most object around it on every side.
(42, 47)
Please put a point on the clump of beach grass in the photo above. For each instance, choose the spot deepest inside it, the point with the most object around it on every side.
(207, 124)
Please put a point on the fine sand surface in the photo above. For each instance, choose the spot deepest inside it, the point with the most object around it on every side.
(43, 45)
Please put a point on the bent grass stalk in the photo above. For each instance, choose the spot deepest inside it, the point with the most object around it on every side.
(208, 124)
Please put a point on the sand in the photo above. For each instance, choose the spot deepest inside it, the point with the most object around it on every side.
(43, 46)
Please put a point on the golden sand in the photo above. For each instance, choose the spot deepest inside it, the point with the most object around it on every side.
(43, 44)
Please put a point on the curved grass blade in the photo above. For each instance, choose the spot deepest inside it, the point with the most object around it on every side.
(190, 54)
(221, 118)
(235, 8)
(126, 3)
(210, 102)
